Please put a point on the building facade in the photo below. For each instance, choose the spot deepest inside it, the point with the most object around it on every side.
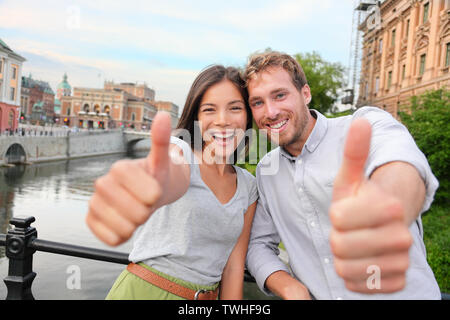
(10, 87)
(37, 101)
(114, 106)
(64, 90)
(407, 54)
(171, 108)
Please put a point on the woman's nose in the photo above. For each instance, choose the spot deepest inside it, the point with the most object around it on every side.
(222, 119)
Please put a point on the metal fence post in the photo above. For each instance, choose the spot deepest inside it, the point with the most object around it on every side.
(20, 273)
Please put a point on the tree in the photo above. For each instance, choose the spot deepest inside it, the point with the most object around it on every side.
(428, 118)
(324, 78)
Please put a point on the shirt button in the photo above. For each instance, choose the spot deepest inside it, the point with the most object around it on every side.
(300, 189)
(299, 162)
(313, 224)
(326, 260)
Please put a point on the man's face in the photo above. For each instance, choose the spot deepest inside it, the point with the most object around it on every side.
(278, 106)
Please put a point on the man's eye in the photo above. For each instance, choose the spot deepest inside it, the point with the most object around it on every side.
(280, 96)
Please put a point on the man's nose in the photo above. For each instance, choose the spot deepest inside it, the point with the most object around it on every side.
(271, 111)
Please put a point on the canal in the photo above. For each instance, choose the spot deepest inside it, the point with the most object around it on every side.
(57, 195)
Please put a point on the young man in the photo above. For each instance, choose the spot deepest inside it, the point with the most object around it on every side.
(345, 200)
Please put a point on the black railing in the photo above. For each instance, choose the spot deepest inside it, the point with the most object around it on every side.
(21, 243)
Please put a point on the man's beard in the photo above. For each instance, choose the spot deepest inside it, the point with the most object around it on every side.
(299, 131)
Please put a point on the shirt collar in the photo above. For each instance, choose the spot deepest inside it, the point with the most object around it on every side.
(316, 136)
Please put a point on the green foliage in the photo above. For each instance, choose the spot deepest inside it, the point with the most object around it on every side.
(428, 118)
(324, 79)
(436, 225)
(340, 113)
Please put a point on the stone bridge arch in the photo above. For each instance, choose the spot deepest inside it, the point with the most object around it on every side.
(130, 145)
(15, 154)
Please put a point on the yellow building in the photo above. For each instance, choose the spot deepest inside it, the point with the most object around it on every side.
(107, 108)
(406, 53)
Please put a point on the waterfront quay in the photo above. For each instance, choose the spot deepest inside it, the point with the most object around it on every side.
(36, 144)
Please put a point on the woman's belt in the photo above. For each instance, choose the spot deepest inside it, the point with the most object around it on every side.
(170, 286)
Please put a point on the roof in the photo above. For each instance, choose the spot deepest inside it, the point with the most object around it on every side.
(29, 82)
(38, 106)
(64, 84)
(4, 47)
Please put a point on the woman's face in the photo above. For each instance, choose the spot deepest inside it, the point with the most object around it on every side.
(223, 120)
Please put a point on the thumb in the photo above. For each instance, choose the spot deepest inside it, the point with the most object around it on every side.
(158, 157)
(356, 151)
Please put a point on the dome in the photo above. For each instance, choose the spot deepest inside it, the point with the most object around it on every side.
(64, 84)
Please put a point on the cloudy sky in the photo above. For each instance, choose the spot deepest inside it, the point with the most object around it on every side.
(165, 43)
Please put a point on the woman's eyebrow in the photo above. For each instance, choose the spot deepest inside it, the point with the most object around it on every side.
(235, 101)
(207, 104)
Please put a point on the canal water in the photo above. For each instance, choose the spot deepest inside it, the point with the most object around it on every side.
(57, 195)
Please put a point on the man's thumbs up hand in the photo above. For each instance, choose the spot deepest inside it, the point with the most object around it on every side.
(368, 229)
(130, 192)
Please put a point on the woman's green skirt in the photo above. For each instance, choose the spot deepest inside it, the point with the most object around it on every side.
(128, 286)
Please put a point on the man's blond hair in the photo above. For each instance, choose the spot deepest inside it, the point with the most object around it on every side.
(259, 62)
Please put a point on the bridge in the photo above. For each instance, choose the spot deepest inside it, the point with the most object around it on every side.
(131, 138)
(50, 144)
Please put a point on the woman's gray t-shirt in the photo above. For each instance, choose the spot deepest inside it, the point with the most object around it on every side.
(192, 238)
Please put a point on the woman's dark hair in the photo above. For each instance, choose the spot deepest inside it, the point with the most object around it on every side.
(205, 80)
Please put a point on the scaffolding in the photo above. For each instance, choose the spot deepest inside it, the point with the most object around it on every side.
(361, 12)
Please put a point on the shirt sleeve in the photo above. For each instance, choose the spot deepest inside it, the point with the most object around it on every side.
(252, 187)
(391, 141)
(185, 147)
(262, 255)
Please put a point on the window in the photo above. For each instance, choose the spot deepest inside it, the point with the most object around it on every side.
(422, 64)
(13, 94)
(447, 55)
(1, 65)
(389, 80)
(11, 119)
(393, 38)
(407, 28)
(377, 84)
(426, 9)
(380, 47)
(404, 72)
(14, 71)
(68, 111)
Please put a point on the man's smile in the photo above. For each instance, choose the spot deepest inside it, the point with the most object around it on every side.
(278, 126)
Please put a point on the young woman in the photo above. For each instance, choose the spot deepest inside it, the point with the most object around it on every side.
(193, 207)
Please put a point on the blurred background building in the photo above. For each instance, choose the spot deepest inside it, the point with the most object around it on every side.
(405, 50)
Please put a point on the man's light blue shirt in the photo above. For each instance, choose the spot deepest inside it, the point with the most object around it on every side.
(295, 195)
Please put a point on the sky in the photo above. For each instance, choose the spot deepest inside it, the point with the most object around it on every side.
(165, 43)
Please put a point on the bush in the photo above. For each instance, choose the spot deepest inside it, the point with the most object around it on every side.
(428, 118)
(436, 225)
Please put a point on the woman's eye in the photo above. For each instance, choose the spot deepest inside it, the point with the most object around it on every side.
(236, 108)
(256, 103)
(208, 110)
